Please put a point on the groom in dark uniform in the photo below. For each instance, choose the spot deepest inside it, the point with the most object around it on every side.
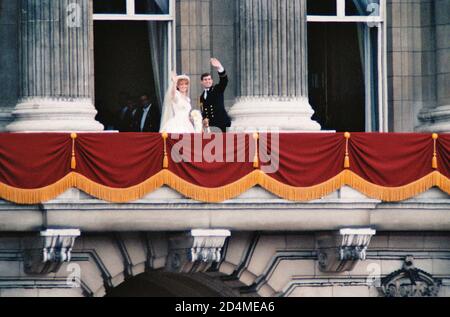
(212, 100)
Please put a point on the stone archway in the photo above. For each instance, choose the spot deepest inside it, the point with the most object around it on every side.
(164, 284)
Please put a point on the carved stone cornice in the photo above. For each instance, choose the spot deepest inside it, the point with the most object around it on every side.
(47, 252)
(340, 251)
(410, 282)
(196, 250)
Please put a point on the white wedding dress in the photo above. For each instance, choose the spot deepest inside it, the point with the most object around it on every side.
(176, 115)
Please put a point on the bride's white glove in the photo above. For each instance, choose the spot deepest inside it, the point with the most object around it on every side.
(174, 77)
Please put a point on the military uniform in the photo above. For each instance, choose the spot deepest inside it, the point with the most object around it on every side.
(213, 107)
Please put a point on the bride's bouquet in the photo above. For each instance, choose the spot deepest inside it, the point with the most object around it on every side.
(197, 120)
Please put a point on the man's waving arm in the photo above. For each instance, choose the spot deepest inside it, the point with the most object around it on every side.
(222, 85)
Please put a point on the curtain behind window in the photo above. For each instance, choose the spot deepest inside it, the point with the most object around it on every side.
(158, 37)
(163, 5)
(368, 42)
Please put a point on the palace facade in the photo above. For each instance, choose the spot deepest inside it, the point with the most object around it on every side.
(295, 66)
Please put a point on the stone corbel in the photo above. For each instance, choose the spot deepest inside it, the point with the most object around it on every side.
(340, 251)
(196, 250)
(47, 252)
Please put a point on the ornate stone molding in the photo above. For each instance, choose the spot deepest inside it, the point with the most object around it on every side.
(434, 120)
(54, 114)
(340, 251)
(410, 282)
(196, 250)
(47, 252)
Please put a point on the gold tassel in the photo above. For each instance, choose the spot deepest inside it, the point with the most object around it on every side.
(255, 158)
(347, 158)
(166, 158)
(73, 163)
(346, 161)
(434, 163)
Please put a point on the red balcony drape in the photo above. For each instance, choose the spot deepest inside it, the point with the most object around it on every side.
(296, 166)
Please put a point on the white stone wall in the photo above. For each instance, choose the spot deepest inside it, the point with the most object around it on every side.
(418, 68)
(411, 60)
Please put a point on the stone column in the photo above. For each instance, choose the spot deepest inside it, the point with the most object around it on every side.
(8, 60)
(437, 119)
(271, 40)
(56, 82)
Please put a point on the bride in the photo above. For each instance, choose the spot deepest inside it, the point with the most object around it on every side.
(177, 111)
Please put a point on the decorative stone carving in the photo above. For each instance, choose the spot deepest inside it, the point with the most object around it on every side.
(340, 251)
(195, 251)
(47, 252)
(410, 282)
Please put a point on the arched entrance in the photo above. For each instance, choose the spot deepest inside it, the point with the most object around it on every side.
(163, 284)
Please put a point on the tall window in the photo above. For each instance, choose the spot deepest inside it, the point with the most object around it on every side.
(141, 27)
(347, 63)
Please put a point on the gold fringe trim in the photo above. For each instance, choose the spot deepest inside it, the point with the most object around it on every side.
(219, 194)
(353, 180)
(301, 193)
(39, 195)
(212, 195)
(120, 195)
(400, 193)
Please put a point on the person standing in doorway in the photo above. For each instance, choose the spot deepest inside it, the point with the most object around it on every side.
(147, 117)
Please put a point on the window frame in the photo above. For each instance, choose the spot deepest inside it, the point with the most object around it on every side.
(380, 23)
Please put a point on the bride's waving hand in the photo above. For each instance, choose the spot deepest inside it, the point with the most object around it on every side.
(177, 106)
